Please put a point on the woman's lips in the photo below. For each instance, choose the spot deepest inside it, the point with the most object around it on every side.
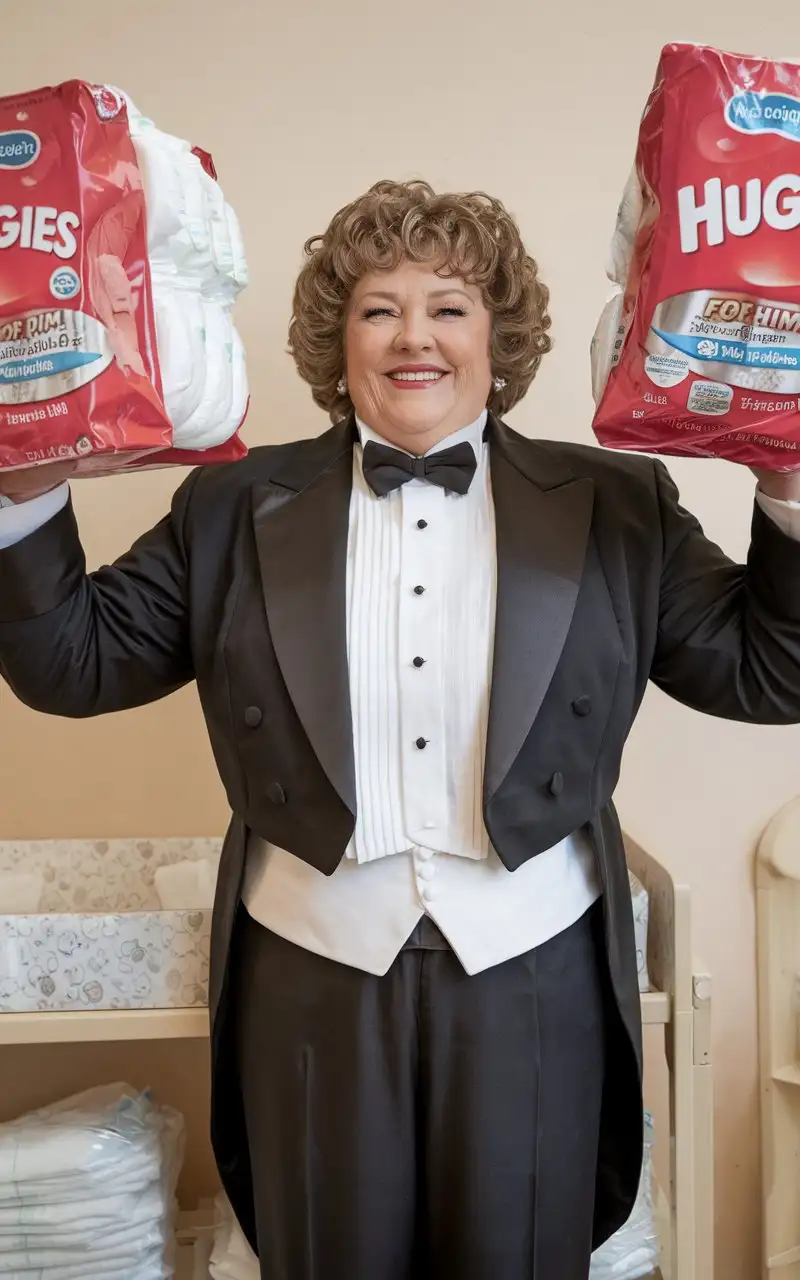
(416, 379)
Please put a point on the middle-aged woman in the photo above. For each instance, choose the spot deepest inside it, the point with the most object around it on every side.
(420, 641)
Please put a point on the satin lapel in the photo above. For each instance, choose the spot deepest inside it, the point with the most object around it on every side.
(542, 519)
(301, 525)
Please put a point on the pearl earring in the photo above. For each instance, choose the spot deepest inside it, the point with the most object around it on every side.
(341, 386)
(498, 383)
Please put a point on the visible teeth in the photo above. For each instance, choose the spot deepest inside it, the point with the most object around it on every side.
(416, 377)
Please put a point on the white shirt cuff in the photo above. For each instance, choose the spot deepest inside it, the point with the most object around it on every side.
(24, 518)
(786, 515)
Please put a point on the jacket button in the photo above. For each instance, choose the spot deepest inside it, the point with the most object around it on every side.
(556, 784)
(252, 717)
(582, 706)
(276, 793)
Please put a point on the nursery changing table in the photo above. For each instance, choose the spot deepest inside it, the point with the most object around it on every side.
(49, 1054)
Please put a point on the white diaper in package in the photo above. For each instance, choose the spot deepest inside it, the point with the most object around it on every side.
(197, 269)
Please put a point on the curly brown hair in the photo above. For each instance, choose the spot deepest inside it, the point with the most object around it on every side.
(470, 235)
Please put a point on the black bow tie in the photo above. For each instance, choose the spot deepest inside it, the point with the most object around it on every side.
(386, 469)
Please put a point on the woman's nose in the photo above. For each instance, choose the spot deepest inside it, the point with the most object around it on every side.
(414, 333)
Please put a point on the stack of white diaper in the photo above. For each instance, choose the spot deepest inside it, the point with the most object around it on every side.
(87, 1189)
(197, 269)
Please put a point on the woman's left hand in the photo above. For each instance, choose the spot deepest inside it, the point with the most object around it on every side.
(784, 485)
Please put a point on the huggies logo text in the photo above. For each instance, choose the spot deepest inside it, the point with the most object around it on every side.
(737, 210)
(40, 228)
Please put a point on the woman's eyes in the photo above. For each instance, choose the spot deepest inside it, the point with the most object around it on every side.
(374, 312)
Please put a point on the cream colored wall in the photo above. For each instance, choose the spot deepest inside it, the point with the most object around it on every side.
(303, 105)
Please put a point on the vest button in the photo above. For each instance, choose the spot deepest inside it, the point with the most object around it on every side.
(276, 793)
(421, 744)
(582, 706)
(419, 662)
(252, 717)
(422, 524)
(556, 784)
(419, 591)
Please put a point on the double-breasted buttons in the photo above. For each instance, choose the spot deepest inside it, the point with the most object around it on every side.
(582, 706)
(253, 717)
(556, 784)
(276, 793)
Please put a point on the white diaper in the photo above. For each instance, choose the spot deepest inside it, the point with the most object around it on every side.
(197, 267)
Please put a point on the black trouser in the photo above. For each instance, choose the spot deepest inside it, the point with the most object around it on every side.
(425, 1125)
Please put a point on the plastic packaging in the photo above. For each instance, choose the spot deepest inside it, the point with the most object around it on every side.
(698, 352)
(641, 917)
(87, 1189)
(122, 262)
(79, 373)
(231, 1256)
(633, 1251)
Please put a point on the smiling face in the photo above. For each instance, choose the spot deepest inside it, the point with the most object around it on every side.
(417, 349)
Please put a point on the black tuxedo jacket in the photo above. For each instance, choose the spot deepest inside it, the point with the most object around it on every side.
(604, 583)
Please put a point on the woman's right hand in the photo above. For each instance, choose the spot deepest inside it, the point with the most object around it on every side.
(32, 482)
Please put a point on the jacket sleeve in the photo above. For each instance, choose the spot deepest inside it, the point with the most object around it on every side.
(77, 644)
(728, 640)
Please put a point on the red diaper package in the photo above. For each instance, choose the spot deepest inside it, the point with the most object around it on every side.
(699, 351)
(79, 374)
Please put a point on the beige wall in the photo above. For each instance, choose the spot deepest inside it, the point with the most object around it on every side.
(303, 105)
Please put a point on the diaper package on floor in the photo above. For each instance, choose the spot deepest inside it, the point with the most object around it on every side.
(634, 1251)
(698, 352)
(121, 264)
(231, 1255)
